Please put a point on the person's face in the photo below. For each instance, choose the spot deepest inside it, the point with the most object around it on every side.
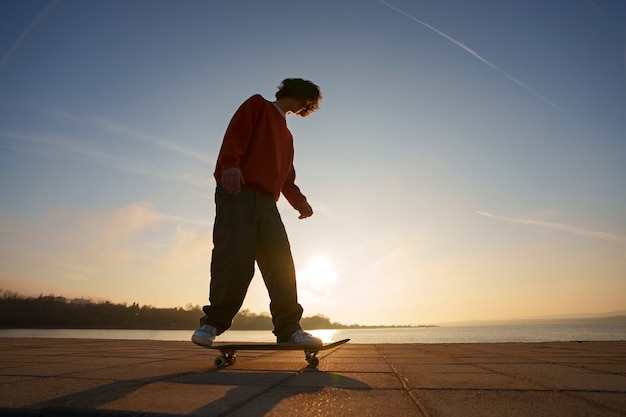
(298, 105)
(301, 105)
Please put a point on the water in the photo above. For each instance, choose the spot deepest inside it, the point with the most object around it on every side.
(445, 334)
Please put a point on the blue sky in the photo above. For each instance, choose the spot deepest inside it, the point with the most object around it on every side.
(468, 160)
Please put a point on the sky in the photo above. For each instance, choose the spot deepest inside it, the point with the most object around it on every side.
(468, 161)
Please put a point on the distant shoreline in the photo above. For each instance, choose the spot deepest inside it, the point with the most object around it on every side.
(569, 332)
(57, 312)
(474, 323)
(347, 327)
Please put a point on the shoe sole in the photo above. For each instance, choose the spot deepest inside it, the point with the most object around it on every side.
(201, 342)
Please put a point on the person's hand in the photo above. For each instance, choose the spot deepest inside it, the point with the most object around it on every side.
(305, 211)
(232, 178)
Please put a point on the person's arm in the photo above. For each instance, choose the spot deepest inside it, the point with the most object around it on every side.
(295, 197)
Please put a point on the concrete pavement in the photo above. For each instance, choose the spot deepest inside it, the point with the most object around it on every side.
(79, 377)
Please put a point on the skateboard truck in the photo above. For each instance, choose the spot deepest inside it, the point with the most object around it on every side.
(228, 358)
(227, 351)
(311, 358)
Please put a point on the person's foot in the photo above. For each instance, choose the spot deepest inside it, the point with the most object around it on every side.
(302, 338)
(204, 336)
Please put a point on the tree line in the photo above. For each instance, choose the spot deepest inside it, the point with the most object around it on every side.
(56, 312)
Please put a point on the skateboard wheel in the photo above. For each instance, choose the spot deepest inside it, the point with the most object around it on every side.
(220, 361)
(313, 362)
(231, 360)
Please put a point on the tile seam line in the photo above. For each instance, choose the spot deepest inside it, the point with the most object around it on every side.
(405, 384)
(572, 393)
(485, 366)
(513, 390)
(233, 411)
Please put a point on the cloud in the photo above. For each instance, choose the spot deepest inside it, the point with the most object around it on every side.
(609, 237)
(188, 250)
(82, 147)
(474, 54)
(134, 250)
(196, 222)
(122, 163)
(162, 143)
(100, 240)
(120, 224)
(120, 129)
(136, 238)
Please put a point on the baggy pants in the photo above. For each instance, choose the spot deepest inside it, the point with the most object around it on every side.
(248, 228)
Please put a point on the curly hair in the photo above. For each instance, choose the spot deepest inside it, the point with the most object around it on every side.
(301, 90)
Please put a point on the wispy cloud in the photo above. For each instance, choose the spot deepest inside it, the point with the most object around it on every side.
(129, 132)
(122, 163)
(116, 238)
(114, 127)
(179, 219)
(474, 54)
(610, 237)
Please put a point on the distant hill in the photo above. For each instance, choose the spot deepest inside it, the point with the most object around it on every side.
(56, 312)
(50, 311)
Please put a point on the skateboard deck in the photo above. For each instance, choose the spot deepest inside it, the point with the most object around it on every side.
(228, 350)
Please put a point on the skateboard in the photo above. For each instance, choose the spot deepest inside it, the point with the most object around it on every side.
(228, 351)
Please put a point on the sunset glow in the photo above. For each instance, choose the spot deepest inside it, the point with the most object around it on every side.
(461, 166)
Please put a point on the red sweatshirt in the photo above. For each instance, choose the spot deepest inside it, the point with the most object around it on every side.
(258, 142)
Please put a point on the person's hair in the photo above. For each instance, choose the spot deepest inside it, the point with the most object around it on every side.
(301, 90)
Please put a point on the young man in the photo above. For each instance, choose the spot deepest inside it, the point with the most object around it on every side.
(254, 166)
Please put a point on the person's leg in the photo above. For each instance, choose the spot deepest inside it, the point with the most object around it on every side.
(276, 265)
(232, 262)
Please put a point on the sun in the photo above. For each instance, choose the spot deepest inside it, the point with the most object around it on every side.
(318, 274)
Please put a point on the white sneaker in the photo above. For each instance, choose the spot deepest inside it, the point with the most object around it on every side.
(204, 336)
(302, 338)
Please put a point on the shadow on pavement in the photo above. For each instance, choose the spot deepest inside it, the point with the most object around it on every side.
(285, 386)
(211, 393)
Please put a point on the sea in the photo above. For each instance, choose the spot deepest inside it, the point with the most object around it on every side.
(542, 332)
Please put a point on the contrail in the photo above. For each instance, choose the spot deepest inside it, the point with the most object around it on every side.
(559, 226)
(473, 53)
(595, 7)
(26, 32)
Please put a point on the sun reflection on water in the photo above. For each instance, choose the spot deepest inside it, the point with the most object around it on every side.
(327, 335)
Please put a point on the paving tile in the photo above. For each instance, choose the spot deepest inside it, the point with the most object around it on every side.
(184, 399)
(39, 391)
(468, 379)
(11, 379)
(235, 377)
(178, 378)
(604, 367)
(513, 403)
(561, 377)
(355, 380)
(53, 369)
(331, 402)
(613, 401)
(347, 365)
(136, 372)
